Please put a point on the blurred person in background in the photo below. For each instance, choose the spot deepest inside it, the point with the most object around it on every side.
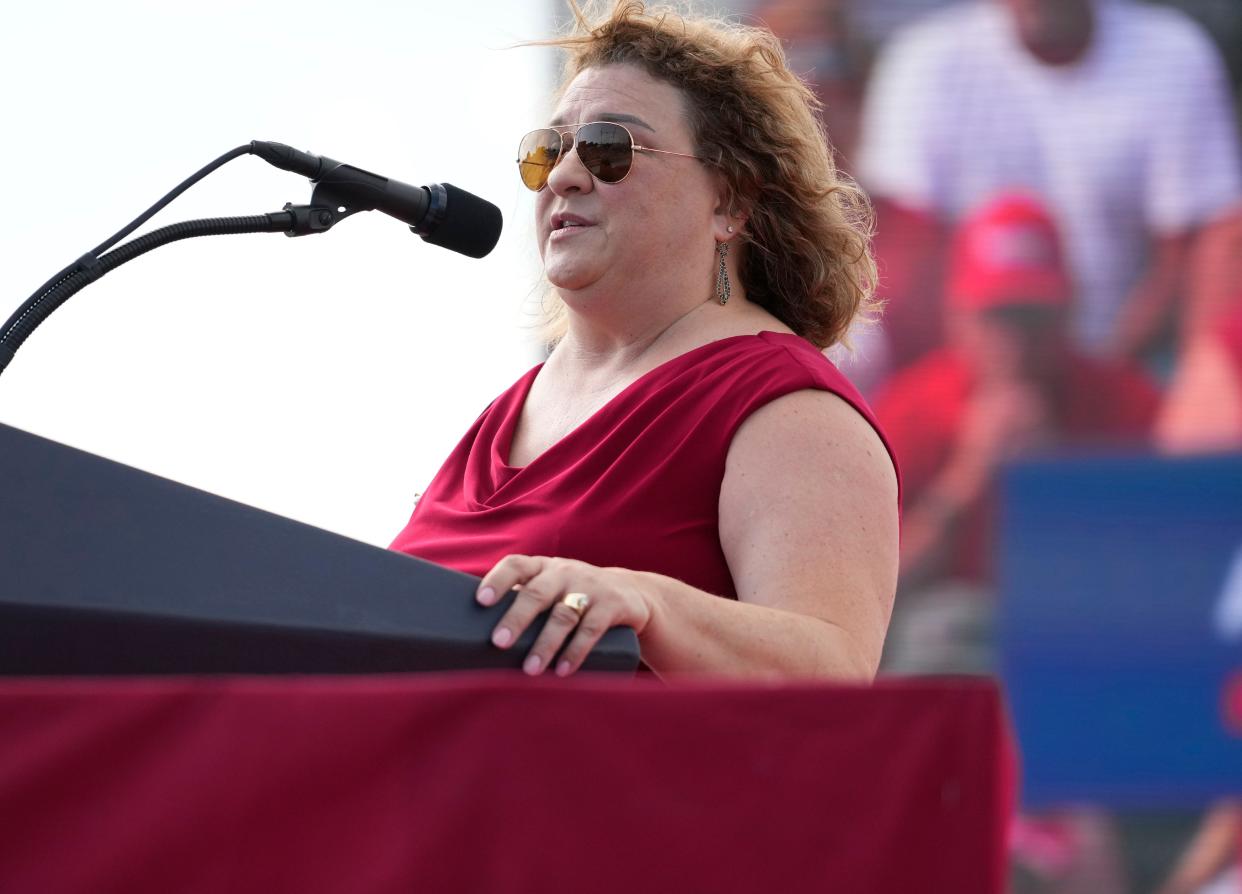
(1117, 114)
(1009, 383)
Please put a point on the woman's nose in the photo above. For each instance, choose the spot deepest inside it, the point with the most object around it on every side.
(569, 174)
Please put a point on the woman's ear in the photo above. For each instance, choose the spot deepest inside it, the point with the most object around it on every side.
(728, 219)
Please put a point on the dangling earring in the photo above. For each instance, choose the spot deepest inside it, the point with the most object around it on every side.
(724, 288)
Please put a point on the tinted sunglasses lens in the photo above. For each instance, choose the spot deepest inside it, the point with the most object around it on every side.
(537, 156)
(605, 150)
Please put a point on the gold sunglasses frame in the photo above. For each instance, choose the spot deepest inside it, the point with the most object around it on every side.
(563, 130)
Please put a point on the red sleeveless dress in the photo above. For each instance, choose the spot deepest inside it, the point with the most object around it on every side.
(637, 485)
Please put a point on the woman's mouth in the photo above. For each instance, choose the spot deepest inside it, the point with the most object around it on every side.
(565, 225)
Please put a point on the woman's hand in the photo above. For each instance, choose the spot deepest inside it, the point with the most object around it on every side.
(614, 597)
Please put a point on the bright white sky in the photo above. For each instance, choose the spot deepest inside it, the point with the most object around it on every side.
(323, 378)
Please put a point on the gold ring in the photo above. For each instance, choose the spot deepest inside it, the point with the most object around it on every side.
(577, 601)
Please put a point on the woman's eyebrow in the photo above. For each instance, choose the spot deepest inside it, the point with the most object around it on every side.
(616, 117)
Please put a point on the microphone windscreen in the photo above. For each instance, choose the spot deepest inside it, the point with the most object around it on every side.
(469, 225)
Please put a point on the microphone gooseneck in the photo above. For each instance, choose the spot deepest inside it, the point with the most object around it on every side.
(441, 214)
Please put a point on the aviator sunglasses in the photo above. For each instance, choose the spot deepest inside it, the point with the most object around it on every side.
(605, 149)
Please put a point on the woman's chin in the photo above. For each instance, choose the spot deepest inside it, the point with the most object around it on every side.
(571, 279)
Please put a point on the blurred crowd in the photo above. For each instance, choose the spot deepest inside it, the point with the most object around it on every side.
(1058, 194)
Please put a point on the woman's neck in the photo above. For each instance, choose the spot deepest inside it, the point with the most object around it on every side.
(612, 328)
(599, 343)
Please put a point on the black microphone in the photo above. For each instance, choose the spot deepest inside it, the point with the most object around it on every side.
(440, 213)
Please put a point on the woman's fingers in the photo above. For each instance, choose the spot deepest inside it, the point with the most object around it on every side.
(594, 625)
(510, 572)
(542, 582)
(582, 602)
(562, 621)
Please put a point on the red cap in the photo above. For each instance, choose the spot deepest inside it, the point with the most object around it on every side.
(1008, 253)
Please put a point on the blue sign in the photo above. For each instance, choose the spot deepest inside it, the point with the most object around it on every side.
(1120, 628)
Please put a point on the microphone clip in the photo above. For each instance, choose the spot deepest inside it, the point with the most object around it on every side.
(309, 219)
(343, 190)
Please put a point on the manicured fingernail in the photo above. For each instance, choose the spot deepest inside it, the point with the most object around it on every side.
(562, 669)
(532, 665)
(502, 636)
(486, 596)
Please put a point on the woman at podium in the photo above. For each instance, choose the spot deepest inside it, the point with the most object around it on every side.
(686, 462)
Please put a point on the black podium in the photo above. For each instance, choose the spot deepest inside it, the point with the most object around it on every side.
(105, 569)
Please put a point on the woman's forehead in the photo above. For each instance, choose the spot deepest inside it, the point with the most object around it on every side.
(622, 93)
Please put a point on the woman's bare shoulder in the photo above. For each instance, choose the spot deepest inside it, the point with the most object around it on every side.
(812, 432)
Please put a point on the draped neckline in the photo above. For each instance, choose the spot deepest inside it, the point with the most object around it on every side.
(503, 443)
